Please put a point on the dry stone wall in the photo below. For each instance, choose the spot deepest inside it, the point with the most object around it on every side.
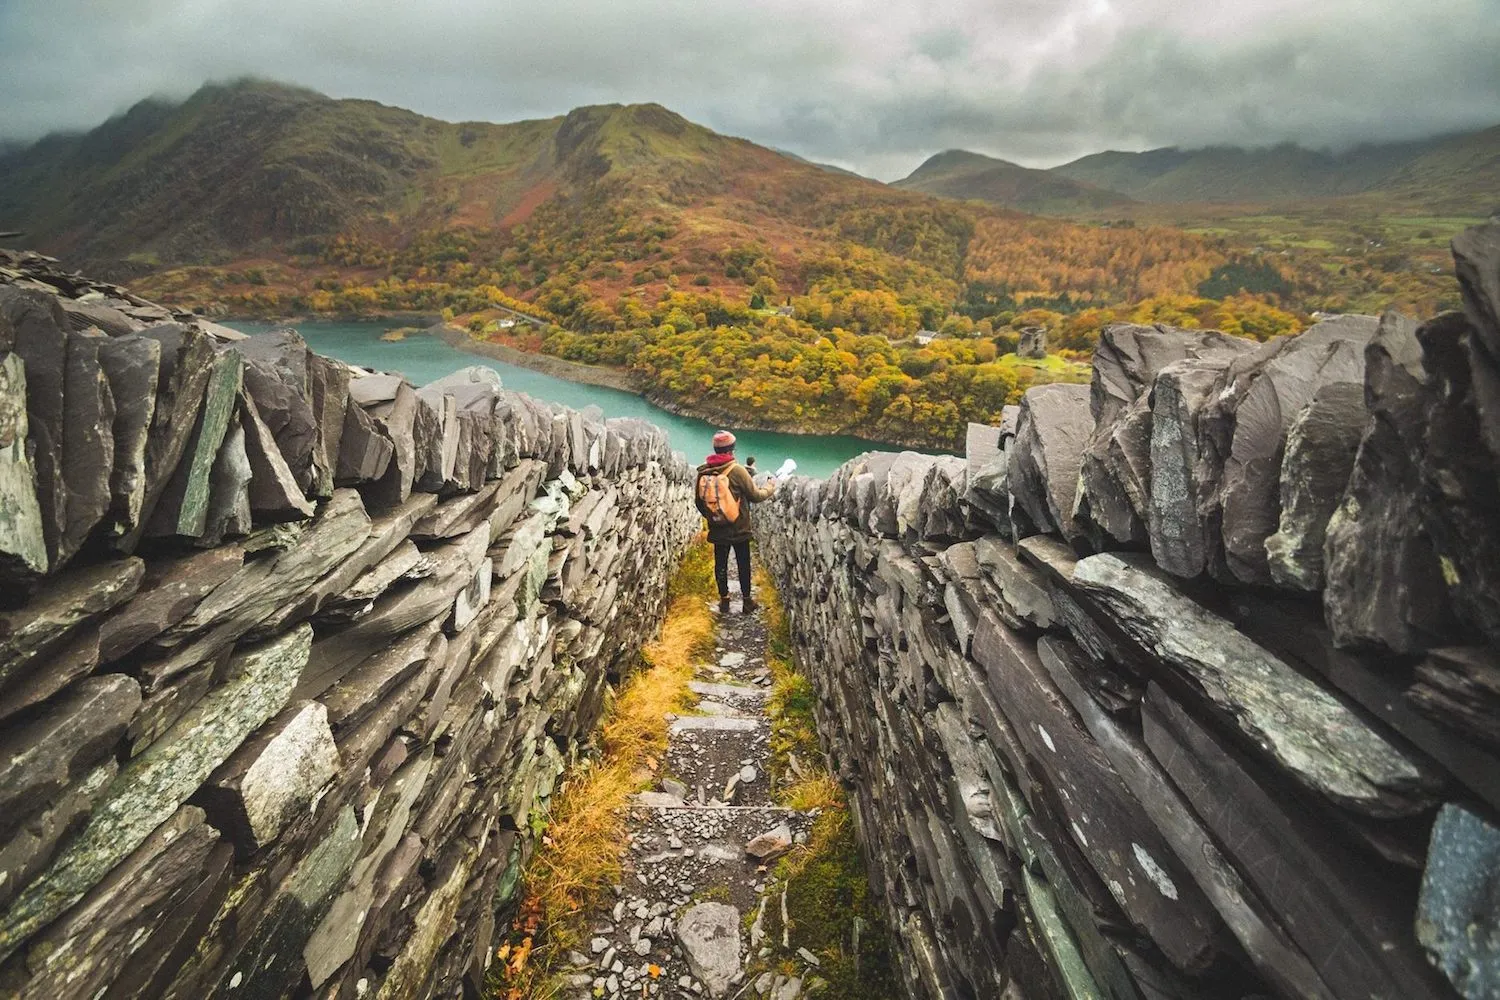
(290, 651)
(1184, 683)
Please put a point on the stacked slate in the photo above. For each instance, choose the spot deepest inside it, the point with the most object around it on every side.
(290, 651)
(1187, 686)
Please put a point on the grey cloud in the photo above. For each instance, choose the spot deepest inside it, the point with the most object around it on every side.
(863, 83)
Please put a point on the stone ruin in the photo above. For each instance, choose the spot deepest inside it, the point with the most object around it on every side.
(1032, 343)
(290, 651)
(1185, 683)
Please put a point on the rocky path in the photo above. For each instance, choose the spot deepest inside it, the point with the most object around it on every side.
(688, 919)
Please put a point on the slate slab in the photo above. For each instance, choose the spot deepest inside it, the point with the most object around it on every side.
(1460, 502)
(278, 380)
(1315, 468)
(133, 366)
(1456, 915)
(364, 450)
(1350, 921)
(183, 509)
(229, 514)
(334, 940)
(1264, 941)
(710, 938)
(275, 493)
(187, 361)
(32, 845)
(151, 787)
(33, 325)
(169, 589)
(268, 964)
(272, 778)
(82, 954)
(1384, 588)
(23, 543)
(41, 757)
(1476, 261)
(1107, 823)
(1293, 722)
(67, 601)
(329, 382)
(1115, 469)
(395, 421)
(1180, 521)
(1249, 416)
(1053, 427)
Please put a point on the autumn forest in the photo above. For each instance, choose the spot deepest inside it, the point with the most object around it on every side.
(728, 280)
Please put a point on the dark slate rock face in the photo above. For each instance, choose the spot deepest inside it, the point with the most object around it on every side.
(34, 327)
(1385, 587)
(1253, 410)
(1358, 939)
(274, 493)
(1183, 533)
(1460, 686)
(1052, 429)
(1294, 722)
(88, 444)
(1461, 474)
(1042, 738)
(177, 824)
(1114, 475)
(278, 381)
(1319, 458)
(23, 542)
(364, 452)
(186, 363)
(1476, 257)
(133, 367)
(1456, 916)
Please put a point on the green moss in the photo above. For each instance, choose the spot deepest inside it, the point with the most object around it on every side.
(826, 893)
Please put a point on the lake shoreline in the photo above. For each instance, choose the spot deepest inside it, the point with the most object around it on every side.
(615, 378)
(573, 371)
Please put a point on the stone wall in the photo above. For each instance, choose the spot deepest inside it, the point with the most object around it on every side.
(1184, 683)
(291, 651)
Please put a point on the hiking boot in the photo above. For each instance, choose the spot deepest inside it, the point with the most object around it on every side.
(723, 605)
(749, 607)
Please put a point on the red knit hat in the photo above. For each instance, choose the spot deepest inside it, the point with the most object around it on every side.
(723, 441)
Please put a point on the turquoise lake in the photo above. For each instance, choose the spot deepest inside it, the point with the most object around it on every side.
(422, 358)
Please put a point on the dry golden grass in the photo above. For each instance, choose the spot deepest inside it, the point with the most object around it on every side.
(585, 835)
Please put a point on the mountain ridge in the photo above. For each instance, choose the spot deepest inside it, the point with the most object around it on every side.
(1455, 172)
(964, 175)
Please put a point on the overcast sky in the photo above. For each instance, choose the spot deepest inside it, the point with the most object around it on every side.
(875, 85)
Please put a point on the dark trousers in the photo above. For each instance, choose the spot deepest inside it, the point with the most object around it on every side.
(741, 562)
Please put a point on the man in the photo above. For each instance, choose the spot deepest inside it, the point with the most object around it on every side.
(724, 494)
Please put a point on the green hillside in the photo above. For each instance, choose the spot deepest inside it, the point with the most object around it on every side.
(960, 174)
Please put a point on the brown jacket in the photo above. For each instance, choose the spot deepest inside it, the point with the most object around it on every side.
(745, 490)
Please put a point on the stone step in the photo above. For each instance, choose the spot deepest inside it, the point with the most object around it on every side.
(664, 801)
(716, 723)
(711, 690)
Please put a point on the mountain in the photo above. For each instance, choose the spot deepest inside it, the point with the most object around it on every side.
(254, 163)
(960, 174)
(1458, 173)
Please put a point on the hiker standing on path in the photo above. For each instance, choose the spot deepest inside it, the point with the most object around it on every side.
(724, 495)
